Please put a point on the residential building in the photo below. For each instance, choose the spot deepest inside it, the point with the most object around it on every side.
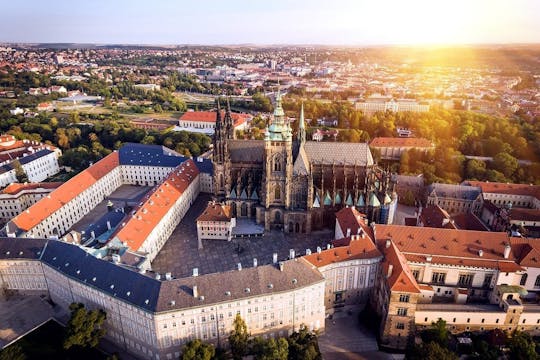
(205, 121)
(392, 148)
(16, 198)
(215, 223)
(455, 198)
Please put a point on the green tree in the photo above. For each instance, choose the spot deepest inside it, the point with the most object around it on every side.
(197, 350)
(303, 345)
(270, 349)
(522, 346)
(437, 333)
(20, 174)
(84, 327)
(505, 163)
(239, 338)
(12, 352)
(431, 351)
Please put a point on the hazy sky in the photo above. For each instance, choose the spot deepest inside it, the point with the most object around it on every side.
(355, 22)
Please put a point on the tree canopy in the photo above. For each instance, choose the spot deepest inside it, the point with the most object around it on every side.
(197, 350)
(84, 328)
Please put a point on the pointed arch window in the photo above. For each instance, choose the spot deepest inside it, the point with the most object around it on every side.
(277, 193)
(277, 163)
(523, 279)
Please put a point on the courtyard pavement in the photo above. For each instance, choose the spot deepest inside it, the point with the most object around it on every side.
(180, 254)
(20, 315)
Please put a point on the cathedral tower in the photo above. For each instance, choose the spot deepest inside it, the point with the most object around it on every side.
(277, 168)
(221, 154)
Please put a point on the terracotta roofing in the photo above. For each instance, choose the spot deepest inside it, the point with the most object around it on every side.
(400, 142)
(215, 212)
(63, 194)
(350, 218)
(15, 188)
(356, 248)
(504, 188)
(156, 204)
(469, 222)
(210, 117)
(396, 270)
(17, 248)
(527, 251)
(233, 285)
(437, 217)
(523, 214)
(447, 246)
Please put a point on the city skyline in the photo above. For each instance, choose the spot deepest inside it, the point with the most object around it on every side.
(345, 22)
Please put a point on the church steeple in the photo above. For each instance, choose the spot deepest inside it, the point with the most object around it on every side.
(219, 124)
(279, 129)
(229, 125)
(301, 127)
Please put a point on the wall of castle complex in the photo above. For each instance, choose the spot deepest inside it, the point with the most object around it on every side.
(25, 276)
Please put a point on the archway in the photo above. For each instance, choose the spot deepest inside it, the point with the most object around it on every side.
(277, 217)
(244, 210)
(233, 209)
(297, 228)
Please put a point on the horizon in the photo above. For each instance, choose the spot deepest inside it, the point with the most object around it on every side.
(302, 23)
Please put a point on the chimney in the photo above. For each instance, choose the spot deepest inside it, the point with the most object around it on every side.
(116, 258)
(480, 252)
(274, 258)
(388, 243)
(291, 254)
(328, 246)
(158, 277)
(239, 266)
(93, 234)
(429, 258)
(195, 271)
(254, 262)
(308, 251)
(195, 291)
(108, 225)
(168, 276)
(507, 249)
(348, 232)
(390, 269)
(319, 250)
(281, 265)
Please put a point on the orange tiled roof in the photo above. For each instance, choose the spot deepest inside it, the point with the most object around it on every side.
(210, 117)
(350, 218)
(216, 212)
(504, 188)
(15, 188)
(397, 271)
(434, 216)
(65, 193)
(156, 204)
(358, 248)
(527, 251)
(400, 142)
(448, 246)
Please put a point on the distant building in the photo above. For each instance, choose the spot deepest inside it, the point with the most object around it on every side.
(152, 124)
(205, 121)
(392, 148)
(382, 103)
(45, 107)
(16, 111)
(16, 198)
(319, 135)
(147, 87)
(455, 198)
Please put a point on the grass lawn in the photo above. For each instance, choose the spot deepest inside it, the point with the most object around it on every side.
(46, 343)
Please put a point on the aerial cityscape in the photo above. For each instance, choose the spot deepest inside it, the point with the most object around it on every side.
(307, 180)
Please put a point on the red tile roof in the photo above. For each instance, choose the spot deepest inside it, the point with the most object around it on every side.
(447, 246)
(210, 117)
(216, 212)
(398, 274)
(504, 188)
(357, 248)
(156, 204)
(15, 188)
(65, 193)
(350, 218)
(435, 216)
(400, 142)
(527, 251)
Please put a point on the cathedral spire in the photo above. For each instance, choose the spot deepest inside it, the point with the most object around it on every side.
(219, 124)
(229, 126)
(302, 127)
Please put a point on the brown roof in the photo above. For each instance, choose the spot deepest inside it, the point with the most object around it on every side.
(469, 222)
(156, 204)
(523, 214)
(435, 216)
(16, 188)
(400, 142)
(356, 248)
(65, 193)
(215, 212)
(527, 251)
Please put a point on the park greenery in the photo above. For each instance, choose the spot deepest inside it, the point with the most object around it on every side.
(438, 344)
(84, 328)
(300, 345)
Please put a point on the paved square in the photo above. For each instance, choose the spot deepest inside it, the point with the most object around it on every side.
(180, 254)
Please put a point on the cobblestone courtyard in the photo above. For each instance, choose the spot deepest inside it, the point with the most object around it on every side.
(180, 254)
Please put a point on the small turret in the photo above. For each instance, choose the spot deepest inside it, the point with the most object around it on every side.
(301, 127)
